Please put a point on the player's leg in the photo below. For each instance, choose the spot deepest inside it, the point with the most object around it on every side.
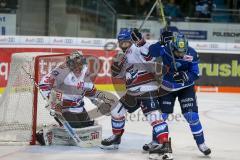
(147, 147)
(188, 102)
(128, 104)
(118, 123)
(160, 128)
(166, 104)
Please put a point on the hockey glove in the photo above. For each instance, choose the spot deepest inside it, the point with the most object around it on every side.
(137, 38)
(116, 68)
(166, 37)
(180, 77)
(104, 98)
(105, 107)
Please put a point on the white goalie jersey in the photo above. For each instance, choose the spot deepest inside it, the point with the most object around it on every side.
(69, 88)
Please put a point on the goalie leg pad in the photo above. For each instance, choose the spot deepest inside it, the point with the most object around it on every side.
(91, 136)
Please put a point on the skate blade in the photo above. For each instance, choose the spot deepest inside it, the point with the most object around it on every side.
(166, 156)
(111, 147)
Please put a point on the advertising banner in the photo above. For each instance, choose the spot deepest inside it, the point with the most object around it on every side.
(7, 24)
(100, 61)
(219, 62)
(219, 69)
(205, 32)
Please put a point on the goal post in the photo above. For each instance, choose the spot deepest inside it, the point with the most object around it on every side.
(22, 109)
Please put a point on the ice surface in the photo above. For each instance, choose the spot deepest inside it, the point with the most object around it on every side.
(220, 116)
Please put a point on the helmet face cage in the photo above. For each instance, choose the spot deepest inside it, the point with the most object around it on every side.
(75, 60)
(180, 44)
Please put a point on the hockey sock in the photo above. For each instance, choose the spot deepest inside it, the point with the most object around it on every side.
(160, 131)
(196, 127)
(164, 118)
(118, 125)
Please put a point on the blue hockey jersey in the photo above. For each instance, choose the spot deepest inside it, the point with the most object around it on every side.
(188, 64)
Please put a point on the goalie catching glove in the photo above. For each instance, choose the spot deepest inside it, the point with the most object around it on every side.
(104, 98)
(104, 102)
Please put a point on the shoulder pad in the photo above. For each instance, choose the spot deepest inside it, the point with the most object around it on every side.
(193, 53)
(155, 49)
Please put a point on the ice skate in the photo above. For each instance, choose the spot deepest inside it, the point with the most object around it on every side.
(161, 152)
(112, 142)
(204, 149)
(149, 146)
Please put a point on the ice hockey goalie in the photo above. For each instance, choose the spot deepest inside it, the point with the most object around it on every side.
(65, 87)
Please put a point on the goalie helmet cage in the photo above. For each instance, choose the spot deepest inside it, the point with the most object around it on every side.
(22, 109)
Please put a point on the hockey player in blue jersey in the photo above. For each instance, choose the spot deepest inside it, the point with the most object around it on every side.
(182, 63)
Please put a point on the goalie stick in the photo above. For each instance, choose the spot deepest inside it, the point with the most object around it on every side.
(72, 133)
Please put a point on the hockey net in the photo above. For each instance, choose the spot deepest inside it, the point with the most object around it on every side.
(22, 109)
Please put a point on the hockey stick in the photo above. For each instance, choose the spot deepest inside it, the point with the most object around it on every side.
(58, 116)
(173, 58)
(165, 25)
(148, 15)
(162, 12)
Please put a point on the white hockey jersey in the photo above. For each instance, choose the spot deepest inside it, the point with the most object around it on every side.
(70, 88)
(138, 70)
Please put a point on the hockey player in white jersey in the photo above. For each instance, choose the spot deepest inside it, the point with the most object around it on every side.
(66, 86)
(138, 72)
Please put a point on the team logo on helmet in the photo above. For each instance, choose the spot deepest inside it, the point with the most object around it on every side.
(180, 43)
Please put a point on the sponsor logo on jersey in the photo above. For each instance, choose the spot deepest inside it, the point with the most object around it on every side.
(188, 58)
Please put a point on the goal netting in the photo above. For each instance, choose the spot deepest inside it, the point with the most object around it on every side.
(22, 109)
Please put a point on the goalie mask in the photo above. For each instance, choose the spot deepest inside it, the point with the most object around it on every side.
(179, 45)
(75, 61)
(124, 39)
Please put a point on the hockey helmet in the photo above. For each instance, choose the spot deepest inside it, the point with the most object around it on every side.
(75, 60)
(124, 39)
(179, 45)
(124, 35)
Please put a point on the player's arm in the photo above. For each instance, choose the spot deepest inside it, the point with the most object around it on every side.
(143, 46)
(193, 71)
(156, 50)
(48, 82)
(118, 66)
